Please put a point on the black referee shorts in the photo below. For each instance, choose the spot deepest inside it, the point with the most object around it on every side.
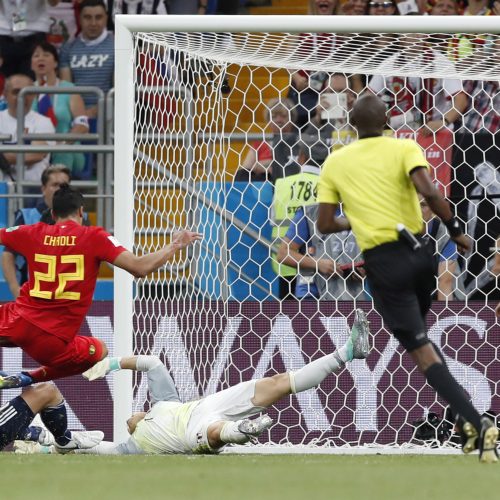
(401, 282)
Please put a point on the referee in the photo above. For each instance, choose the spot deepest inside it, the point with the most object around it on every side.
(377, 179)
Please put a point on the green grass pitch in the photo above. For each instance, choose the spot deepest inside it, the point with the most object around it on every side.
(256, 477)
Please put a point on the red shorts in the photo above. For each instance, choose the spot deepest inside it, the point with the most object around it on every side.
(79, 353)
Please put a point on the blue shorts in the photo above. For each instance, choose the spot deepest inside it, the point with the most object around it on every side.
(15, 416)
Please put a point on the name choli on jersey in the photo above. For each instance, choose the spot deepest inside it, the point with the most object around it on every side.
(59, 241)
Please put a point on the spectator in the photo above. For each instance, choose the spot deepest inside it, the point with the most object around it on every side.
(459, 46)
(335, 102)
(15, 268)
(66, 111)
(279, 114)
(483, 111)
(323, 7)
(34, 163)
(382, 42)
(453, 46)
(445, 8)
(478, 8)
(382, 8)
(115, 7)
(22, 23)
(290, 194)
(448, 272)
(414, 101)
(329, 266)
(354, 8)
(63, 26)
(89, 59)
(477, 143)
(176, 7)
(305, 86)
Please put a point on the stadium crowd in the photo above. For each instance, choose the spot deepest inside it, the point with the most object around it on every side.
(71, 44)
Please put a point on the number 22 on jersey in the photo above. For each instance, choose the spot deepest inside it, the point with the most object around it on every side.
(52, 273)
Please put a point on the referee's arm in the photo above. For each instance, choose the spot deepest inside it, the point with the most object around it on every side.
(327, 220)
(424, 185)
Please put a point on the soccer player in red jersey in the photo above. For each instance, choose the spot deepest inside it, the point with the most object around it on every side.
(63, 263)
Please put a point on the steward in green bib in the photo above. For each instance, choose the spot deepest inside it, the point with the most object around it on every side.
(291, 193)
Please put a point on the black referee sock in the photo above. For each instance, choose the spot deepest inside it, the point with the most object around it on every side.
(441, 380)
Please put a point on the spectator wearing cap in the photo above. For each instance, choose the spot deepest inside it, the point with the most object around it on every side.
(315, 265)
(290, 194)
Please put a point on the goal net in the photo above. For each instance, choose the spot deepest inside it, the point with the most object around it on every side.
(223, 130)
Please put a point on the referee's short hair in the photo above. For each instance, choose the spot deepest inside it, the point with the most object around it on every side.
(67, 201)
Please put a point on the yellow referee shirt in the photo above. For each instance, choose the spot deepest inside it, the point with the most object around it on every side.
(370, 177)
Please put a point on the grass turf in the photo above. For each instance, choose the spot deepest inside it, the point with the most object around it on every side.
(289, 477)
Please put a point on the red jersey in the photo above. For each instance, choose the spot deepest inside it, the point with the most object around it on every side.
(63, 263)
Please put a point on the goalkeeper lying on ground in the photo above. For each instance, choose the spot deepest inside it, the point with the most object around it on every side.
(206, 425)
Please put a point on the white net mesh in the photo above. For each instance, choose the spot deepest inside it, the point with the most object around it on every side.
(223, 125)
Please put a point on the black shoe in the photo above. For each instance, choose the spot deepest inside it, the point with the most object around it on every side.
(488, 437)
(468, 435)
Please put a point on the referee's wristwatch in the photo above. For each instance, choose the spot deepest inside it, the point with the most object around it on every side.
(453, 227)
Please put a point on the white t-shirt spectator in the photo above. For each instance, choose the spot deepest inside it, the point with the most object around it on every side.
(34, 12)
(34, 123)
(406, 95)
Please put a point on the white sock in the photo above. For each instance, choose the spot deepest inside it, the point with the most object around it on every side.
(345, 352)
(230, 434)
(314, 373)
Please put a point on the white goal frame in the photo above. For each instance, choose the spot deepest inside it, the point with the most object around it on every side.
(125, 27)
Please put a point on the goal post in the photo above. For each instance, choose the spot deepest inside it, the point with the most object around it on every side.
(190, 95)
